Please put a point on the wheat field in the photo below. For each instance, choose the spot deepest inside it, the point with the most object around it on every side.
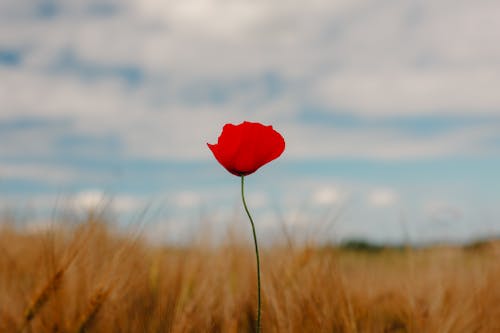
(89, 278)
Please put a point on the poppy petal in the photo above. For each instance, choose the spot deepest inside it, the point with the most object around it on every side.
(242, 149)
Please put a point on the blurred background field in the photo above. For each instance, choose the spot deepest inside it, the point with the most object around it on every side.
(91, 278)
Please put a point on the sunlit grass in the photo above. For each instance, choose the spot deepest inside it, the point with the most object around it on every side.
(86, 278)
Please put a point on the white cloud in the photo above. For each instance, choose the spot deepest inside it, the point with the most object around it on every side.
(96, 200)
(413, 91)
(40, 173)
(187, 199)
(362, 57)
(326, 196)
(257, 200)
(388, 144)
(382, 197)
(127, 203)
(90, 200)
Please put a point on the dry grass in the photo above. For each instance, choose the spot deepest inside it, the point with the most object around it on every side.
(86, 279)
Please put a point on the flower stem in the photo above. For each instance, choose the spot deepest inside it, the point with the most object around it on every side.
(256, 251)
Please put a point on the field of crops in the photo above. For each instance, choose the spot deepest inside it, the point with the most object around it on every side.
(87, 278)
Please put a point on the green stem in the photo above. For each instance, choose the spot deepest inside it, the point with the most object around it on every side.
(256, 251)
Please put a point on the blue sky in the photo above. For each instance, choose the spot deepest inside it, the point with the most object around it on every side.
(390, 111)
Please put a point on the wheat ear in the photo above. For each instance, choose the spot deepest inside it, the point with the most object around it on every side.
(88, 318)
(52, 285)
(42, 297)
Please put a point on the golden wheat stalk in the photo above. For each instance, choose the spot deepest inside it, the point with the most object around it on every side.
(88, 317)
(50, 288)
(42, 297)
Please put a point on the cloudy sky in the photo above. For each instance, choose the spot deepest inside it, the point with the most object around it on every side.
(390, 110)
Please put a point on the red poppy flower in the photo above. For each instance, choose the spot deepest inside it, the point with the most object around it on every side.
(244, 148)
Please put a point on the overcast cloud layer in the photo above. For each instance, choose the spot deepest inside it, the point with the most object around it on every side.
(88, 86)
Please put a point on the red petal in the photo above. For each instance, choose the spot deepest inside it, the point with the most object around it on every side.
(244, 148)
